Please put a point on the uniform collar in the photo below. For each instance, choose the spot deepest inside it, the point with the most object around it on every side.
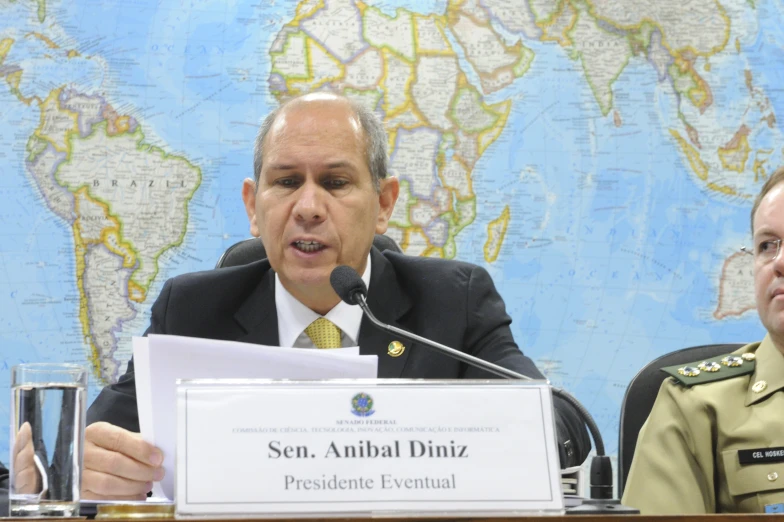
(294, 317)
(769, 367)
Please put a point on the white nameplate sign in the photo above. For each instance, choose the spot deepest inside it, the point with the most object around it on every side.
(365, 446)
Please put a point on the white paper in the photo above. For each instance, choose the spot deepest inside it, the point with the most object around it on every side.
(141, 359)
(141, 365)
(170, 357)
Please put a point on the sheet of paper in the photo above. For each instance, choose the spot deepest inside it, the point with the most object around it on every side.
(141, 362)
(166, 358)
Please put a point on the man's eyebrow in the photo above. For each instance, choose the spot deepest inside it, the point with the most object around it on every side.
(764, 231)
(340, 165)
(282, 166)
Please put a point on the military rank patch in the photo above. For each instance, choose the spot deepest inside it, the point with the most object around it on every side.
(711, 370)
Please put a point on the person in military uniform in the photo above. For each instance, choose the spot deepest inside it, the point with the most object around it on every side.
(714, 441)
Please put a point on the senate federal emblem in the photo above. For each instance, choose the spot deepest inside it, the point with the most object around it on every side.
(362, 405)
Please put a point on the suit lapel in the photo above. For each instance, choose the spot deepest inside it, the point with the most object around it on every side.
(389, 303)
(258, 315)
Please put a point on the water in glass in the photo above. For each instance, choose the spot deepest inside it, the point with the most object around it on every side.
(46, 448)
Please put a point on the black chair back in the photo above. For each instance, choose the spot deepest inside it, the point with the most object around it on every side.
(249, 250)
(641, 394)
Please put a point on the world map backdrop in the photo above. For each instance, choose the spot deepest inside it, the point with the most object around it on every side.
(598, 157)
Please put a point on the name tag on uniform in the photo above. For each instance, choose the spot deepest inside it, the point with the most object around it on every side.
(365, 446)
(761, 455)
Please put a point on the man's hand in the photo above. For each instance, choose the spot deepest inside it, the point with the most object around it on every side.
(27, 478)
(118, 464)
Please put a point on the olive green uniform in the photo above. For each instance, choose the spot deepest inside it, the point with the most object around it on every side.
(702, 449)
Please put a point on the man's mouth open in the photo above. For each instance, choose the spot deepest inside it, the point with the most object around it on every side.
(308, 247)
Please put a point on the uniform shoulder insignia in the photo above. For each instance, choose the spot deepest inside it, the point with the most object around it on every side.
(714, 369)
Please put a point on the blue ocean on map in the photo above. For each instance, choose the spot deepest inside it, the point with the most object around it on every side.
(614, 291)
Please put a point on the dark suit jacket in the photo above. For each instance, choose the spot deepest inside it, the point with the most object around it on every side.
(3, 484)
(3, 491)
(453, 303)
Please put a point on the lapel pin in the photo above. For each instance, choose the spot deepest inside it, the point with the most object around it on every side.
(395, 349)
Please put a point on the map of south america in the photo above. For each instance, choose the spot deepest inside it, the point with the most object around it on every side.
(126, 202)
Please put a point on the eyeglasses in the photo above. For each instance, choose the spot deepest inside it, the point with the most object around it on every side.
(766, 251)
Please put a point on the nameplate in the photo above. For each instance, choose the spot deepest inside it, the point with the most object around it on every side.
(365, 447)
(761, 455)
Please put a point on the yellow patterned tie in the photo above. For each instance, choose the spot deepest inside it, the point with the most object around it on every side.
(324, 333)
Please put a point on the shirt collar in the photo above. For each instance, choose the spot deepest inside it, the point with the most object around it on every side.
(294, 317)
(769, 367)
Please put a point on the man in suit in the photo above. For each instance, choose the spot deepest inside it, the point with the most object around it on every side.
(319, 196)
(713, 441)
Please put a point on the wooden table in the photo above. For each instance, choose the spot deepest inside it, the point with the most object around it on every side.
(536, 518)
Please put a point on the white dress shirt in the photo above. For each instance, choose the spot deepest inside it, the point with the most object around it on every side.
(294, 317)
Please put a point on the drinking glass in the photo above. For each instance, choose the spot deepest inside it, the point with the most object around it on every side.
(48, 403)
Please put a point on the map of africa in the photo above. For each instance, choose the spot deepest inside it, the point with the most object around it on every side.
(598, 157)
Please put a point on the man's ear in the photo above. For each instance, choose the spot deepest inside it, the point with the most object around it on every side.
(249, 198)
(387, 196)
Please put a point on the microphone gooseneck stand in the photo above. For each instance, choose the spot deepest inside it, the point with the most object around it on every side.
(351, 289)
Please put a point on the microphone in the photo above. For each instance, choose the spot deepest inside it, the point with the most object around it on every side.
(346, 283)
(352, 290)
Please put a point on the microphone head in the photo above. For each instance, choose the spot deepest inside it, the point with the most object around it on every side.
(346, 283)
